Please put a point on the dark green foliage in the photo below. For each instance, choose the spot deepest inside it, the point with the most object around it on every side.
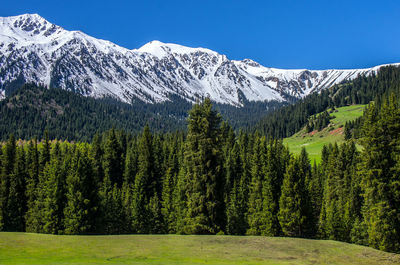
(81, 205)
(32, 165)
(381, 176)
(16, 203)
(8, 162)
(31, 109)
(204, 180)
(145, 186)
(293, 206)
(209, 181)
(112, 159)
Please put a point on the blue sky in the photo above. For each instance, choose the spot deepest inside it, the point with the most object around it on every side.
(284, 34)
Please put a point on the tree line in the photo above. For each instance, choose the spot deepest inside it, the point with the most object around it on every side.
(31, 109)
(209, 180)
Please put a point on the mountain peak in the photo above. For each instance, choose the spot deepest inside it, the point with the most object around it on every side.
(161, 49)
(27, 27)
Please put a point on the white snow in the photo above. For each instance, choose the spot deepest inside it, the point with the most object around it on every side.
(151, 72)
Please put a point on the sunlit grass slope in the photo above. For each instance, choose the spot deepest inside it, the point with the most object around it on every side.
(314, 141)
(24, 248)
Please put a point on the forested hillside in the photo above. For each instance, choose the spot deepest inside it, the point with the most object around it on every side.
(208, 181)
(286, 121)
(69, 116)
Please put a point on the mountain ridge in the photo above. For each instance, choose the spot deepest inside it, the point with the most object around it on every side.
(34, 50)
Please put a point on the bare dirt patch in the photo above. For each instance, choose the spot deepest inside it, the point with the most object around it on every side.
(336, 131)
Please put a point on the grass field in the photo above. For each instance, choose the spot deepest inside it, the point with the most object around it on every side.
(25, 248)
(313, 142)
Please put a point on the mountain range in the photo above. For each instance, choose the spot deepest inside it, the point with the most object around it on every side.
(34, 50)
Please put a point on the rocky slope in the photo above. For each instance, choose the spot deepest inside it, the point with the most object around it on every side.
(35, 50)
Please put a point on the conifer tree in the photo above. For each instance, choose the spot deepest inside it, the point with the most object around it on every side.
(32, 190)
(380, 177)
(145, 186)
(16, 204)
(112, 159)
(255, 210)
(82, 201)
(45, 151)
(54, 188)
(113, 216)
(169, 185)
(97, 158)
(292, 212)
(8, 162)
(204, 181)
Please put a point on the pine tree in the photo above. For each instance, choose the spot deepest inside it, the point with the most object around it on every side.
(97, 158)
(32, 164)
(169, 185)
(54, 189)
(204, 181)
(236, 224)
(145, 184)
(113, 218)
(112, 159)
(255, 209)
(16, 205)
(82, 201)
(45, 152)
(292, 211)
(8, 162)
(380, 177)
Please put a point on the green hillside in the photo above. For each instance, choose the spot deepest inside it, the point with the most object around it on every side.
(315, 140)
(23, 248)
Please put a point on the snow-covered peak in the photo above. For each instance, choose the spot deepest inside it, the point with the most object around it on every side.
(28, 28)
(160, 49)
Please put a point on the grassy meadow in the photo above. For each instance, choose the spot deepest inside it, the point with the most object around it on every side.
(314, 141)
(26, 248)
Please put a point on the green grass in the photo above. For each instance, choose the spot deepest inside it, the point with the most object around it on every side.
(25, 248)
(314, 142)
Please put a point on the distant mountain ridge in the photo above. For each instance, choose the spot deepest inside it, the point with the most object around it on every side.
(35, 50)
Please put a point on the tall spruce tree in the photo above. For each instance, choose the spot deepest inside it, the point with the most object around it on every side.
(16, 204)
(380, 175)
(112, 159)
(255, 209)
(82, 202)
(203, 163)
(8, 162)
(54, 189)
(145, 186)
(292, 207)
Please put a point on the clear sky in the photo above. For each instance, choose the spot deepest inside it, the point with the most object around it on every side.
(282, 33)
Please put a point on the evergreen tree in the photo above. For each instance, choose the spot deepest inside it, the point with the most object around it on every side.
(292, 208)
(255, 210)
(54, 189)
(145, 184)
(45, 152)
(112, 159)
(32, 164)
(204, 181)
(169, 185)
(8, 162)
(16, 204)
(380, 175)
(82, 201)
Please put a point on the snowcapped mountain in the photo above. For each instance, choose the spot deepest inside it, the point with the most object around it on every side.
(35, 50)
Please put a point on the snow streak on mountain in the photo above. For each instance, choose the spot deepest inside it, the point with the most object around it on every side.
(35, 50)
